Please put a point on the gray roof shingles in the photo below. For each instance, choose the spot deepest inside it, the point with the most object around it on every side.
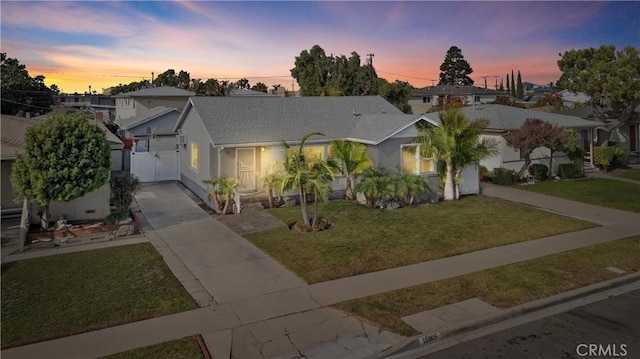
(153, 113)
(250, 120)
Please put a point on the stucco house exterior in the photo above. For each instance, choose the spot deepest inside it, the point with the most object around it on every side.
(423, 99)
(152, 130)
(503, 119)
(94, 205)
(243, 136)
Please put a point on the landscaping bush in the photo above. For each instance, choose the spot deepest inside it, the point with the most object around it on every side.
(123, 188)
(116, 217)
(503, 176)
(484, 174)
(539, 171)
(570, 170)
(608, 157)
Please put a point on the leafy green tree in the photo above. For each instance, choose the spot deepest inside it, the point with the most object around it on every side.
(311, 71)
(350, 159)
(456, 143)
(556, 141)
(243, 83)
(397, 93)
(304, 174)
(22, 93)
(65, 158)
(260, 87)
(519, 88)
(455, 70)
(611, 78)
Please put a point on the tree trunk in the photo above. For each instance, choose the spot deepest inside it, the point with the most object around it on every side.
(303, 206)
(227, 200)
(527, 162)
(315, 211)
(216, 201)
(449, 190)
(456, 183)
(551, 163)
(44, 219)
(349, 193)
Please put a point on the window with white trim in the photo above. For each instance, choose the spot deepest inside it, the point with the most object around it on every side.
(412, 162)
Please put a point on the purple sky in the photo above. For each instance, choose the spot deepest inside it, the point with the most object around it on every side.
(104, 43)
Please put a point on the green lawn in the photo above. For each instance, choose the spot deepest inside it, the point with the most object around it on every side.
(366, 240)
(503, 287)
(56, 296)
(600, 192)
(629, 173)
(185, 348)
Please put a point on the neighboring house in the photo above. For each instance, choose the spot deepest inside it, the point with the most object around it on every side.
(94, 205)
(243, 137)
(423, 99)
(96, 104)
(136, 103)
(152, 130)
(503, 119)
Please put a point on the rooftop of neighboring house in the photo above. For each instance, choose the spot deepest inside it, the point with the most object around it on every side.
(264, 120)
(455, 90)
(506, 118)
(162, 91)
(150, 115)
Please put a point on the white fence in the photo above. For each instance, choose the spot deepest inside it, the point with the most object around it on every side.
(155, 165)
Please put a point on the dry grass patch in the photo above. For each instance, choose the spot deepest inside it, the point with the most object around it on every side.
(366, 240)
(503, 287)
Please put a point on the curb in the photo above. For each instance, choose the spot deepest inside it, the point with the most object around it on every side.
(413, 343)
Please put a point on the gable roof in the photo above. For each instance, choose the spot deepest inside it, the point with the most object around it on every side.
(263, 120)
(163, 91)
(506, 118)
(156, 112)
(455, 90)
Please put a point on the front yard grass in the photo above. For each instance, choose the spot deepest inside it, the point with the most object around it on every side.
(600, 192)
(365, 240)
(61, 295)
(185, 348)
(628, 173)
(502, 287)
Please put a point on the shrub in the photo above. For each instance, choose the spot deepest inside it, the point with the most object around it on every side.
(608, 157)
(503, 176)
(484, 173)
(116, 217)
(375, 184)
(539, 171)
(570, 170)
(123, 187)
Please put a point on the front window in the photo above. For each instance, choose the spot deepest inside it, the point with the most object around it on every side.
(412, 162)
(314, 152)
(194, 156)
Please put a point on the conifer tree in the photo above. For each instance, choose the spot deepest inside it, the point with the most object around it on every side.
(508, 84)
(513, 85)
(455, 70)
(519, 88)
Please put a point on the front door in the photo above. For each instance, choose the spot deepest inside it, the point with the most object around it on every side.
(246, 168)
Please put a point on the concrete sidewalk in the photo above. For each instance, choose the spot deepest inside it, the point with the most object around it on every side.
(261, 310)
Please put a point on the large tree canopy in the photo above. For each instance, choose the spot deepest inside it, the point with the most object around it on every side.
(455, 70)
(22, 93)
(611, 78)
(65, 158)
(318, 74)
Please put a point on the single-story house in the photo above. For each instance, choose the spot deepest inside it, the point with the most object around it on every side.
(243, 137)
(94, 205)
(423, 99)
(503, 119)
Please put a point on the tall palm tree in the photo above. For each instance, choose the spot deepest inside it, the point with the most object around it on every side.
(303, 174)
(350, 159)
(456, 143)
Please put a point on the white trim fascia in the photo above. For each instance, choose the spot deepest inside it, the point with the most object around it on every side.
(404, 127)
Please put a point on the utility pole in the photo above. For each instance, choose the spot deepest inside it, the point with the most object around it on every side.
(496, 77)
(485, 81)
(370, 63)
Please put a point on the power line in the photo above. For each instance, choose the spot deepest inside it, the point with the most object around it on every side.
(25, 104)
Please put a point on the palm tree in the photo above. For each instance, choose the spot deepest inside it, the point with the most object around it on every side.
(409, 185)
(350, 159)
(305, 175)
(456, 143)
(375, 185)
(222, 186)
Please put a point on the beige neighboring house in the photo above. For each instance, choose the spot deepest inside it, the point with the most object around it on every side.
(424, 99)
(94, 205)
(137, 103)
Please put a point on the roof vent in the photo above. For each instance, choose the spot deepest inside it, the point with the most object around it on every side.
(384, 111)
(354, 112)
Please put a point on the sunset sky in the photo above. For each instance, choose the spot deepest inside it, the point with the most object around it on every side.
(104, 43)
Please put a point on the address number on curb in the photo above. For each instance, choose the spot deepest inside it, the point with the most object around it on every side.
(429, 338)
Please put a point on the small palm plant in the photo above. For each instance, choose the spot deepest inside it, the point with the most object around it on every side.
(409, 185)
(222, 186)
(375, 185)
(350, 159)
